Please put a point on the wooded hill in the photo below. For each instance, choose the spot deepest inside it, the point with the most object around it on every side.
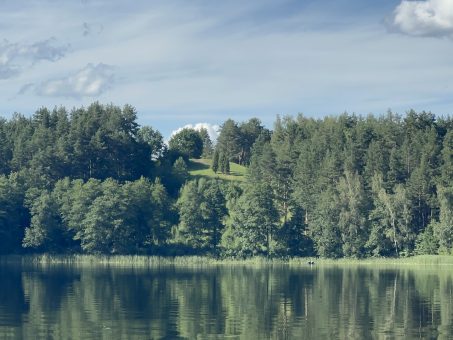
(93, 181)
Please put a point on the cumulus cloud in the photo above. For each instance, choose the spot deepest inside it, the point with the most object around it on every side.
(90, 81)
(424, 18)
(213, 129)
(45, 50)
(14, 57)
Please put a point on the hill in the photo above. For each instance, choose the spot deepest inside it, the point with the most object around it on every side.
(202, 168)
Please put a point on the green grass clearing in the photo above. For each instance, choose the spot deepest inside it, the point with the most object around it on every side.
(199, 168)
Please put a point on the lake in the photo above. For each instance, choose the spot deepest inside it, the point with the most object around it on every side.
(234, 302)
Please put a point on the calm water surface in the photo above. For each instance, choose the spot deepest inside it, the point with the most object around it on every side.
(240, 302)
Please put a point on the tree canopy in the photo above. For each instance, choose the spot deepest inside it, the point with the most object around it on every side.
(93, 180)
(187, 143)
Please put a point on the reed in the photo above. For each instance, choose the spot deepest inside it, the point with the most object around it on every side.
(419, 260)
(201, 261)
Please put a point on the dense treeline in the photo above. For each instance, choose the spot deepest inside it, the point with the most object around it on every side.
(94, 181)
(366, 186)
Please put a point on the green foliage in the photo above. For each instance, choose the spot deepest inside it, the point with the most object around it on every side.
(103, 140)
(215, 161)
(154, 140)
(427, 243)
(446, 167)
(253, 224)
(161, 215)
(13, 214)
(207, 143)
(92, 180)
(180, 171)
(391, 219)
(226, 166)
(229, 141)
(324, 226)
(100, 217)
(236, 140)
(99, 141)
(352, 220)
(223, 159)
(201, 207)
(105, 227)
(293, 236)
(223, 164)
(249, 131)
(45, 230)
(5, 148)
(443, 229)
(187, 143)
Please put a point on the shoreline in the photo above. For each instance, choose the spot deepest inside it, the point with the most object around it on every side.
(144, 261)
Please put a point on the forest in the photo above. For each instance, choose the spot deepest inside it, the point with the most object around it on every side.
(92, 180)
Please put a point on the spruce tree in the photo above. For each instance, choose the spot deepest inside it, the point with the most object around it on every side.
(222, 163)
(227, 165)
(215, 161)
(207, 143)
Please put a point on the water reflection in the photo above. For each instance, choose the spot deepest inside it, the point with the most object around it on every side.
(278, 302)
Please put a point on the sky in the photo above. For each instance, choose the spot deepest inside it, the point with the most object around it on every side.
(202, 62)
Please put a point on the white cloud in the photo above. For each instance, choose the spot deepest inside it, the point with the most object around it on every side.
(91, 81)
(14, 57)
(424, 18)
(179, 62)
(213, 129)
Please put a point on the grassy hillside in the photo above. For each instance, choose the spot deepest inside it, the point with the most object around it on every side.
(202, 168)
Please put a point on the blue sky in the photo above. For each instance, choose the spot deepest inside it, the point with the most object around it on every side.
(188, 62)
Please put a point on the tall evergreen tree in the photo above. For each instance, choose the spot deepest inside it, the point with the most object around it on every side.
(227, 165)
(215, 161)
(222, 162)
(207, 143)
(229, 140)
(323, 226)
